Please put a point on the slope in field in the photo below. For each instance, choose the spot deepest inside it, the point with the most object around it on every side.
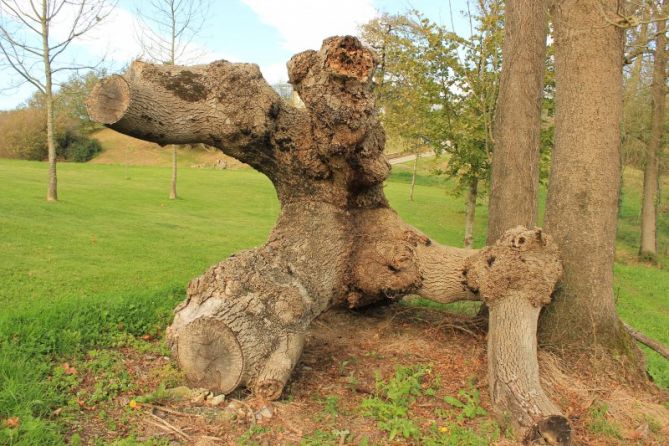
(121, 149)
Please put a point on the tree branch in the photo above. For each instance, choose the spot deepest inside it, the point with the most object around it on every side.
(226, 105)
(654, 345)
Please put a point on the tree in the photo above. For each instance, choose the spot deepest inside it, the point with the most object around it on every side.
(336, 241)
(651, 174)
(581, 210)
(169, 29)
(515, 165)
(428, 92)
(27, 46)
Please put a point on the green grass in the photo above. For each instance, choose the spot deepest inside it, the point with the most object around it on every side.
(113, 256)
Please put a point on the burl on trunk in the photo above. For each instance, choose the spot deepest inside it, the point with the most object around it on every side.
(336, 240)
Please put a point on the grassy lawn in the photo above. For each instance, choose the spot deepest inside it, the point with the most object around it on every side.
(115, 255)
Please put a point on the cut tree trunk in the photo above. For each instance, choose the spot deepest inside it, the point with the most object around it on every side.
(515, 167)
(651, 173)
(336, 240)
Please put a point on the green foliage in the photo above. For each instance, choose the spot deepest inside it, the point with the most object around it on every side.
(24, 129)
(248, 437)
(76, 147)
(599, 423)
(469, 403)
(110, 374)
(438, 89)
(453, 434)
(325, 438)
(390, 407)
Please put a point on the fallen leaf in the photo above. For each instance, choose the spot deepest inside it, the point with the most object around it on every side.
(68, 369)
(12, 422)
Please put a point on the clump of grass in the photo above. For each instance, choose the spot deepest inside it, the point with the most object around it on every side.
(600, 424)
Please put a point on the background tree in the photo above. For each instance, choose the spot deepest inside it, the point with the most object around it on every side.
(581, 211)
(428, 92)
(28, 48)
(651, 174)
(515, 166)
(24, 129)
(166, 37)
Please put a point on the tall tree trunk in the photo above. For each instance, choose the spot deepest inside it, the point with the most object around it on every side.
(413, 175)
(515, 164)
(648, 248)
(173, 188)
(470, 213)
(336, 240)
(583, 191)
(52, 190)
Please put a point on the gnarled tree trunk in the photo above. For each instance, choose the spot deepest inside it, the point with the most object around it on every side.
(336, 240)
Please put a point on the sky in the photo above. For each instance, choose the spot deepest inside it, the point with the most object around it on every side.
(266, 32)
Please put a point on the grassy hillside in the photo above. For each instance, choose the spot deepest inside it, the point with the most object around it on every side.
(112, 258)
(125, 150)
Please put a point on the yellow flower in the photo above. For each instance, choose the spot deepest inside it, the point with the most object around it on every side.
(133, 404)
(443, 429)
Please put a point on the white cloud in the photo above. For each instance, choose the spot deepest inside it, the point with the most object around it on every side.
(303, 24)
(113, 37)
(116, 39)
(274, 73)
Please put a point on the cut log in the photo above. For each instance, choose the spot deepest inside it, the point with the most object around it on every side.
(336, 240)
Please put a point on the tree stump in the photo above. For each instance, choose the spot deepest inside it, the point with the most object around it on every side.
(336, 240)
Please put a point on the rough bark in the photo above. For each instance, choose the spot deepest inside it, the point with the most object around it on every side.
(651, 174)
(336, 240)
(581, 211)
(515, 165)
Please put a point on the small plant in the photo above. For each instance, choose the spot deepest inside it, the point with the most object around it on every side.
(321, 438)
(157, 396)
(599, 424)
(111, 375)
(469, 403)
(453, 434)
(331, 405)
(247, 438)
(391, 404)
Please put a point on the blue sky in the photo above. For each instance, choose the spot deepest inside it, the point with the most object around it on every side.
(266, 32)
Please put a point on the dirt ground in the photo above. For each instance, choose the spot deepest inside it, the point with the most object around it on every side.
(345, 354)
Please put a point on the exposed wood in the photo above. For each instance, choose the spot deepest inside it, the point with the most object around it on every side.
(336, 241)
